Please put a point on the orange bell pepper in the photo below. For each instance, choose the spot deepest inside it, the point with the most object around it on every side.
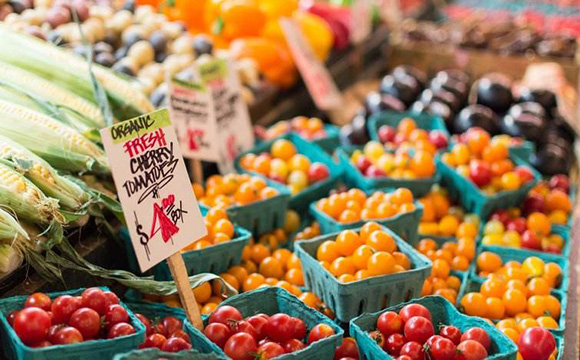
(275, 9)
(273, 59)
(192, 12)
(234, 19)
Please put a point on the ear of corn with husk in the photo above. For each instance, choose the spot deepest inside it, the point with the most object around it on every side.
(13, 238)
(70, 196)
(21, 86)
(62, 147)
(72, 72)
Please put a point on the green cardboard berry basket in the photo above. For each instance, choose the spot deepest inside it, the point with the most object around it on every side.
(272, 300)
(156, 354)
(405, 225)
(349, 300)
(390, 118)
(473, 284)
(353, 177)
(442, 312)
(523, 151)
(14, 348)
(507, 254)
(212, 259)
(313, 152)
(473, 199)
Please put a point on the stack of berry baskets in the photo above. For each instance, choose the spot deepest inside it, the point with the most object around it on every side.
(362, 270)
(307, 171)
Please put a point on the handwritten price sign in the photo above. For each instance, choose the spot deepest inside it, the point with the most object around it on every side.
(152, 182)
(318, 81)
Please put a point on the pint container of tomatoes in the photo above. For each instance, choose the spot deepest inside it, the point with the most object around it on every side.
(303, 167)
(77, 324)
(270, 322)
(362, 270)
(393, 208)
(429, 327)
(156, 354)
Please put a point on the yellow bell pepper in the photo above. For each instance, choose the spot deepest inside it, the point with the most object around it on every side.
(275, 9)
(317, 32)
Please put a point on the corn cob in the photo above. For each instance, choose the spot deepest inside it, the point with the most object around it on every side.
(70, 195)
(59, 145)
(72, 72)
(12, 78)
(22, 197)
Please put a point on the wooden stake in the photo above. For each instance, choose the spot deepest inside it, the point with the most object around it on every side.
(197, 171)
(179, 273)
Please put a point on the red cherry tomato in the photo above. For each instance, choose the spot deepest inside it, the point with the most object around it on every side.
(160, 329)
(471, 350)
(51, 336)
(412, 310)
(270, 350)
(293, 345)
(299, 328)
(418, 329)
(171, 324)
(175, 345)
(394, 344)
(441, 349)
(320, 332)
(536, 344)
(31, 325)
(154, 341)
(432, 339)
(225, 314)
(95, 298)
(39, 300)
(404, 357)
(115, 314)
(414, 350)
(258, 322)
(377, 337)
(112, 298)
(67, 335)
(347, 349)
(181, 334)
(389, 323)
(146, 322)
(479, 172)
(452, 333)
(280, 327)
(11, 316)
(479, 335)
(218, 333)
(87, 321)
(243, 327)
(63, 307)
(241, 346)
(43, 343)
(120, 329)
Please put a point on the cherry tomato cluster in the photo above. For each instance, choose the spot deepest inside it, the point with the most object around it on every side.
(407, 134)
(219, 230)
(308, 128)
(233, 189)
(410, 335)
(285, 165)
(166, 335)
(356, 256)
(260, 336)
(486, 163)
(509, 228)
(517, 292)
(354, 205)
(375, 162)
(551, 198)
(95, 314)
(441, 218)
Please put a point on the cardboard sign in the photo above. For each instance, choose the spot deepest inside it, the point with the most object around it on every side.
(155, 192)
(361, 22)
(192, 111)
(318, 81)
(233, 126)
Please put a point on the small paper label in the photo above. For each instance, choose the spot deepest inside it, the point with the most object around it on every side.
(233, 126)
(191, 108)
(360, 16)
(318, 81)
(162, 213)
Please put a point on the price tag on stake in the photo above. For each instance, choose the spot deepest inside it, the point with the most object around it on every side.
(162, 213)
(233, 126)
(318, 81)
(360, 17)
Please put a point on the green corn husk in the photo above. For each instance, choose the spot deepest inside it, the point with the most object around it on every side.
(10, 259)
(70, 196)
(61, 146)
(72, 72)
(10, 229)
(24, 86)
